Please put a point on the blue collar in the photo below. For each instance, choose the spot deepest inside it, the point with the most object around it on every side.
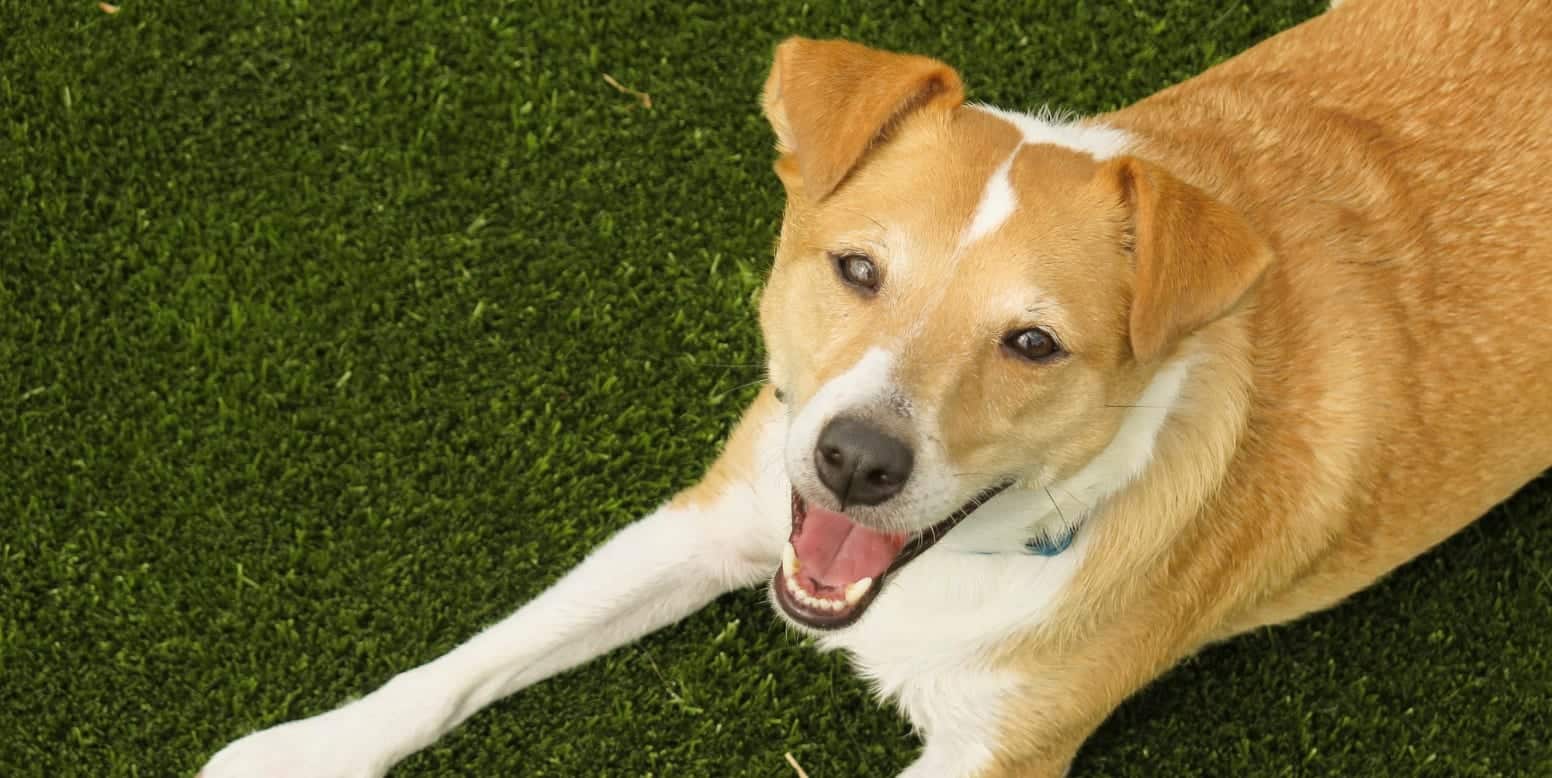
(1041, 545)
(1044, 545)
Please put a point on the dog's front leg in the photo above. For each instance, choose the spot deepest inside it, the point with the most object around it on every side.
(724, 533)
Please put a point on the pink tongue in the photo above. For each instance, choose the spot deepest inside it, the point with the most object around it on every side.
(835, 552)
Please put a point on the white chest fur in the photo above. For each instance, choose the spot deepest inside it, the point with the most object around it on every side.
(925, 643)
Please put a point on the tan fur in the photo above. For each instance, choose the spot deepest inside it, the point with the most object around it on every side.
(1376, 388)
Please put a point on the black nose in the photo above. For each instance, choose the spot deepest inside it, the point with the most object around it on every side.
(860, 464)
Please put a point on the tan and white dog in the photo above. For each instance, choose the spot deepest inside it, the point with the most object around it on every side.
(1057, 403)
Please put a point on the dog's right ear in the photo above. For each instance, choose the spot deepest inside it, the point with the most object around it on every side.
(829, 101)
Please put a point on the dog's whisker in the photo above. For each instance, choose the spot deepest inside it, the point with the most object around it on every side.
(1055, 504)
(1087, 507)
(741, 387)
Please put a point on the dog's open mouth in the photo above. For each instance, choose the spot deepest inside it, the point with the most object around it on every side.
(833, 568)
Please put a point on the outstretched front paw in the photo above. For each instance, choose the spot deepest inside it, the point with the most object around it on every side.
(326, 746)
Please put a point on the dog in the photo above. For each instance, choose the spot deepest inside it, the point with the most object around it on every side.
(1054, 403)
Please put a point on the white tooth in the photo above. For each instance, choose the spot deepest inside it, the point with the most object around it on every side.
(792, 586)
(834, 605)
(855, 591)
(789, 559)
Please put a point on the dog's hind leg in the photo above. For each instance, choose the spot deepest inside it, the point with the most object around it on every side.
(724, 533)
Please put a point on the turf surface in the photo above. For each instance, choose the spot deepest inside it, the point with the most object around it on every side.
(330, 333)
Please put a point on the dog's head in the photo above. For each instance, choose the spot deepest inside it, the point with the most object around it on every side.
(963, 299)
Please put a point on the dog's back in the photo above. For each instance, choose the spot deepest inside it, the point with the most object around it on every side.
(1411, 142)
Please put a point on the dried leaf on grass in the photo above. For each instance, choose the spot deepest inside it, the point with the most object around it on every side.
(792, 760)
(646, 99)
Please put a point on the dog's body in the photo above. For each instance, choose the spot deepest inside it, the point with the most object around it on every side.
(1292, 308)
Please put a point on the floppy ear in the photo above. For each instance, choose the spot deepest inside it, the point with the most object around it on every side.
(828, 101)
(1194, 257)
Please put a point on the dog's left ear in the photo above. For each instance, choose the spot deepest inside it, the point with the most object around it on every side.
(830, 101)
(1195, 258)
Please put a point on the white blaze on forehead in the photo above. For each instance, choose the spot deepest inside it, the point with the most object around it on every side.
(998, 200)
(997, 203)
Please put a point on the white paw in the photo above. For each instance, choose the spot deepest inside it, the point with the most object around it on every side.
(328, 746)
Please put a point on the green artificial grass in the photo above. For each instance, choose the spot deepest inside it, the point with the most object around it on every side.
(332, 332)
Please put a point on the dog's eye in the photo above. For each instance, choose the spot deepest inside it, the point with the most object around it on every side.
(858, 271)
(1035, 344)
